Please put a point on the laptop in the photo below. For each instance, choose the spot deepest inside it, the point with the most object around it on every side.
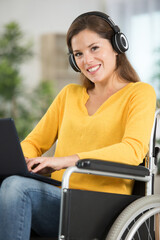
(12, 160)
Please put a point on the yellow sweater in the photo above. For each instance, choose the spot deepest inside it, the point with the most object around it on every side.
(119, 131)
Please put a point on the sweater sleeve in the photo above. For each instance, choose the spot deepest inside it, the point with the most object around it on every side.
(138, 125)
(43, 136)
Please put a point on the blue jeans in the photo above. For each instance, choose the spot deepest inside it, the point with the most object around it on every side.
(26, 203)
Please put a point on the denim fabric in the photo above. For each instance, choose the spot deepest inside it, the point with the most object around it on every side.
(26, 203)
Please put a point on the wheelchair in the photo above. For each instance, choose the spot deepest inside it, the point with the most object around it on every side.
(88, 215)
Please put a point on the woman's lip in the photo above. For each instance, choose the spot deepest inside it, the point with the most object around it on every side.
(93, 68)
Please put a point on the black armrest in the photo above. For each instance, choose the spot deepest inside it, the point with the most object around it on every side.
(106, 166)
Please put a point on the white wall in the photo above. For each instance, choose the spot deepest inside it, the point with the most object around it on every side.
(37, 17)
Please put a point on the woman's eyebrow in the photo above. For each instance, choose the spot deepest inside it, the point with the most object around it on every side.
(92, 44)
(76, 51)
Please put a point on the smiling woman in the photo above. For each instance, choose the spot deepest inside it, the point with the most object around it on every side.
(97, 49)
(97, 60)
(104, 27)
(101, 119)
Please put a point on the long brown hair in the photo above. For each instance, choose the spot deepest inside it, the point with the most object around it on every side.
(98, 25)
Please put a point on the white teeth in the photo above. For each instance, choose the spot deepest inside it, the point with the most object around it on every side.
(93, 69)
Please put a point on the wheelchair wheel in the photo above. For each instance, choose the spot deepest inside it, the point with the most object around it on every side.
(140, 220)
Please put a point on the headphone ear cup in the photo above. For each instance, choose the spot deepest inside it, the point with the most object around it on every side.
(120, 43)
(73, 63)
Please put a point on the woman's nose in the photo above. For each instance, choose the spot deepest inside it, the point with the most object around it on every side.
(88, 58)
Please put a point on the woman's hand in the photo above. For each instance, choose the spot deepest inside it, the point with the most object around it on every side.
(45, 165)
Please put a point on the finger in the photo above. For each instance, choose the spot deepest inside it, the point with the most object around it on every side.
(33, 162)
(40, 167)
(29, 159)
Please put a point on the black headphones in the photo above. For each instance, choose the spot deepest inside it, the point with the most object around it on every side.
(119, 40)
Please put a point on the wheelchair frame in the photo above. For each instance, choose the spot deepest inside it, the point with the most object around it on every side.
(103, 168)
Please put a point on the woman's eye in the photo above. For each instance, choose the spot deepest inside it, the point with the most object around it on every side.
(78, 54)
(94, 48)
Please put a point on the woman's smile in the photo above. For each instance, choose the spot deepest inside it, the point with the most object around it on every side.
(94, 69)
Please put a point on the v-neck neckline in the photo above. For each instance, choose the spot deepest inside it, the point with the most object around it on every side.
(86, 97)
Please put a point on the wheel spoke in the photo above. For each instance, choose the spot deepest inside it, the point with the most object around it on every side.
(138, 221)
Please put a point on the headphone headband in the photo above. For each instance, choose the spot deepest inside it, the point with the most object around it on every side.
(102, 15)
(119, 40)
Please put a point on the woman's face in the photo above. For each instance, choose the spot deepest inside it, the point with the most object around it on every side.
(94, 56)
